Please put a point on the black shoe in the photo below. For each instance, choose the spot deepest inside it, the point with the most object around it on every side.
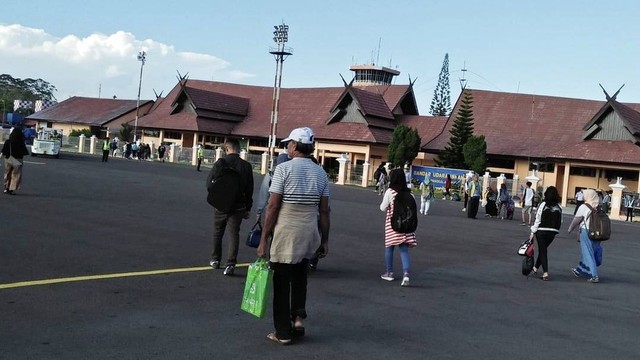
(214, 264)
(229, 270)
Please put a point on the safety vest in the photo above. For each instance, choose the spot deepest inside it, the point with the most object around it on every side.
(105, 145)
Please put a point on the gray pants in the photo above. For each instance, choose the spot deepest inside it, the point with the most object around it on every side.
(220, 222)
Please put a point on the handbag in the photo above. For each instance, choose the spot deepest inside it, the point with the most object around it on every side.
(11, 160)
(257, 288)
(253, 239)
(527, 265)
(483, 203)
(526, 248)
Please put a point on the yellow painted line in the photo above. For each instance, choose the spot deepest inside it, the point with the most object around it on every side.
(105, 276)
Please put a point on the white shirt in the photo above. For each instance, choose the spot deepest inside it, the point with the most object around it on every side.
(583, 211)
(528, 197)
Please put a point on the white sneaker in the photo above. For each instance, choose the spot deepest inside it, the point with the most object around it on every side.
(405, 280)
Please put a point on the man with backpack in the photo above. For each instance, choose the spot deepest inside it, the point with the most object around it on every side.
(230, 192)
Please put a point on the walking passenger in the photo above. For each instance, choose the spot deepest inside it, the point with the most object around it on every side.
(397, 183)
(503, 198)
(545, 227)
(299, 191)
(426, 195)
(591, 251)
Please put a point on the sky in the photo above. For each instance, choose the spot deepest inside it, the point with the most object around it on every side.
(560, 48)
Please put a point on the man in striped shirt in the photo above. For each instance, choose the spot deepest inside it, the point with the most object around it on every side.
(299, 192)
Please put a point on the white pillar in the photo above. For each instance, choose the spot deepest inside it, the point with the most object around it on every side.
(218, 153)
(485, 181)
(514, 187)
(92, 145)
(194, 155)
(172, 153)
(616, 199)
(243, 154)
(365, 174)
(533, 178)
(500, 180)
(264, 163)
(342, 172)
(81, 143)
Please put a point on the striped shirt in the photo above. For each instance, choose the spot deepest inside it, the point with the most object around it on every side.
(300, 181)
(391, 237)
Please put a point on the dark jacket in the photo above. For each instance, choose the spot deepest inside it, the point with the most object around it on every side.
(245, 169)
(15, 148)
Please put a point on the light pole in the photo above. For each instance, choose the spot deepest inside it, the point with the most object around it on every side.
(3, 111)
(280, 52)
(142, 57)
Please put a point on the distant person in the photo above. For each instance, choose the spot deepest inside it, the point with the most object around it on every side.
(606, 201)
(545, 227)
(161, 151)
(475, 191)
(407, 174)
(490, 208)
(426, 195)
(503, 199)
(579, 197)
(299, 193)
(114, 147)
(376, 175)
(629, 203)
(13, 151)
(447, 187)
(466, 182)
(589, 249)
(240, 211)
(397, 183)
(199, 156)
(527, 204)
(106, 149)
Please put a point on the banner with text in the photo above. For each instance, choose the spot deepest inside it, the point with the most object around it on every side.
(438, 175)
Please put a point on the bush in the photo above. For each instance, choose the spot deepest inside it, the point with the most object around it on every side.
(85, 132)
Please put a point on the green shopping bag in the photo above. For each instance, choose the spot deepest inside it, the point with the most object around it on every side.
(257, 288)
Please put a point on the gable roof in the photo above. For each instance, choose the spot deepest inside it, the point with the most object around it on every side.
(298, 107)
(526, 125)
(88, 111)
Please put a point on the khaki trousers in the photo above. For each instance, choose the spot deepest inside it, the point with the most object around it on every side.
(12, 176)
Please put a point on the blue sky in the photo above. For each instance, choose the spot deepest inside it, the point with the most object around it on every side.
(559, 48)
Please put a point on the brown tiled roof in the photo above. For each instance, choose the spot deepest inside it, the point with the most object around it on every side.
(89, 111)
(298, 107)
(372, 104)
(217, 102)
(526, 125)
(428, 126)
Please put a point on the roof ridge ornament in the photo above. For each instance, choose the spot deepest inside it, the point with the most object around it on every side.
(607, 95)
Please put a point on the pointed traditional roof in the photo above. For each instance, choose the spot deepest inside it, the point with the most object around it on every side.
(298, 107)
(88, 111)
(526, 125)
(614, 122)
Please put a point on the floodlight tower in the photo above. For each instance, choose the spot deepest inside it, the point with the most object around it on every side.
(280, 53)
(142, 57)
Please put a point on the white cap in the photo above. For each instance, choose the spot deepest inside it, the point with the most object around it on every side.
(303, 135)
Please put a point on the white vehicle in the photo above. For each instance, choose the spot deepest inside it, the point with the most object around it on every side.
(48, 142)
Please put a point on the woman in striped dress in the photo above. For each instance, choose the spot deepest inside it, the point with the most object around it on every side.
(397, 183)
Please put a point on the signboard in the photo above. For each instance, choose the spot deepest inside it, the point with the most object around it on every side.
(438, 175)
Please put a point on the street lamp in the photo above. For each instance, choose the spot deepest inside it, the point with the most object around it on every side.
(280, 52)
(142, 57)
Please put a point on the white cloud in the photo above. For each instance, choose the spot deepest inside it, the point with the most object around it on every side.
(80, 65)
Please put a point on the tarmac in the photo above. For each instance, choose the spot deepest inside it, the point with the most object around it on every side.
(109, 261)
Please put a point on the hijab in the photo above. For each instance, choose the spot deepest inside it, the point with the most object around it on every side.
(591, 197)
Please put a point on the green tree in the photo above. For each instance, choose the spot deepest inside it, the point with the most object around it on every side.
(405, 145)
(125, 132)
(462, 129)
(441, 103)
(23, 89)
(475, 153)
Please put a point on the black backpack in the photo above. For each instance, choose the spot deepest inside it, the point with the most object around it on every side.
(405, 213)
(224, 189)
(599, 224)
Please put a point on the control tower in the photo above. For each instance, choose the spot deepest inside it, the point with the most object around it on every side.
(367, 75)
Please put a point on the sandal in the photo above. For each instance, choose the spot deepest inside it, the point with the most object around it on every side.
(272, 336)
